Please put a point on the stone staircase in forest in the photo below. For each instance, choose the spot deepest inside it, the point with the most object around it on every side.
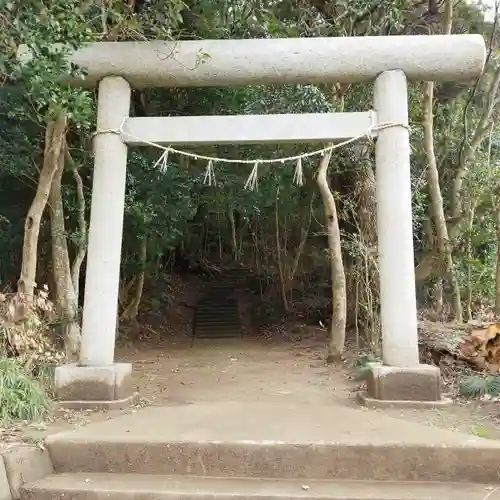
(261, 451)
(217, 312)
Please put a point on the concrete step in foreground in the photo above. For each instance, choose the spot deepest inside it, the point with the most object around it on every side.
(81, 486)
(280, 441)
(262, 451)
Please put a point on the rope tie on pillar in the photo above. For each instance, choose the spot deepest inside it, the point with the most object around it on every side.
(252, 180)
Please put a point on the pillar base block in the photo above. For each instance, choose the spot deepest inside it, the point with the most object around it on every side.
(119, 404)
(381, 404)
(417, 384)
(94, 386)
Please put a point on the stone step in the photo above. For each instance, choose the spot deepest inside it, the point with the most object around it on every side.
(215, 297)
(82, 486)
(216, 326)
(217, 309)
(218, 334)
(218, 318)
(228, 314)
(224, 287)
(217, 302)
(285, 441)
(230, 322)
(219, 288)
(228, 283)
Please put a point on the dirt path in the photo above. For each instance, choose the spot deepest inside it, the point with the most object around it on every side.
(288, 371)
(273, 368)
(236, 371)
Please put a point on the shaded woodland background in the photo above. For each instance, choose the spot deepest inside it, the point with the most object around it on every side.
(176, 224)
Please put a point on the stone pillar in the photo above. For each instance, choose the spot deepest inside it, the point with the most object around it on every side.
(401, 377)
(398, 308)
(106, 225)
(96, 378)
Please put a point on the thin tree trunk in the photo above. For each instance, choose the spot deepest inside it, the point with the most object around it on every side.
(497, 274)
(437, 207)
(481, 133)
(470, 225)
(234, 240)
(132, 310)
(54, 140)
(66, 299)
(336, 342)
(81, 249)
(279, 259)
(367, 282)
(304, 233)
(125, 287)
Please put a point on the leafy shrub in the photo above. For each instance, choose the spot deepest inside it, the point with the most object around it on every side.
(362, 365)
(476, 386)
(21, 397)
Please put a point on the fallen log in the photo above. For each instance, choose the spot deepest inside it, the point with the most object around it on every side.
(476, 345)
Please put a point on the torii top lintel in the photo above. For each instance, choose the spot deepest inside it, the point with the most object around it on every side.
(203, 63)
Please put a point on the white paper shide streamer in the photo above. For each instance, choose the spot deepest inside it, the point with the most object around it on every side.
(298, 176)
(253, 179)
(209, 179)
(162, 161)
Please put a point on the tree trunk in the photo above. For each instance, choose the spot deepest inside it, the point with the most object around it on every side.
(437, 208)
(470, 226)
(54, 140)
(367, 207)
(304, 234)
(480, 134)
(81, 249)
(366, 266)
(132, 310)
(279, 256)
(66, 299)
(125, 288)
(234, 240)
(336, 342)
(497, 276)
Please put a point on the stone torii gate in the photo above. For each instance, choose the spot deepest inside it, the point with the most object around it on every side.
(388, 61)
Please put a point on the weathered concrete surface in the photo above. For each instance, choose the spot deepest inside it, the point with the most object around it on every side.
(246, 129)
(150, 487)
(398, 303)
(394, 383)
(119, 404)
(25, 464)
(369, 402)
(218, 63)
(93, 383)
(280, 441)
(4, 482)
(104, 247)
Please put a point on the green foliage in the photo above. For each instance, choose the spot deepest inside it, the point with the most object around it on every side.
(21, 397)
(480, 432)
(49, 35)
(167, 208)
(475, 386)
(362, 365)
